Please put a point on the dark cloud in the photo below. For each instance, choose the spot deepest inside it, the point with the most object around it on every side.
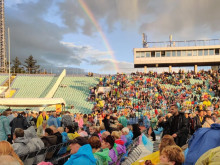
(32, 34)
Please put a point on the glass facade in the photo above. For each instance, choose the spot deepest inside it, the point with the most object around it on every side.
(178, 53)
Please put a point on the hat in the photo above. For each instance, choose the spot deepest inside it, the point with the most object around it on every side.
(79, 140)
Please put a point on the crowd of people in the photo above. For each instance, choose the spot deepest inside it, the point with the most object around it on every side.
(181, 108)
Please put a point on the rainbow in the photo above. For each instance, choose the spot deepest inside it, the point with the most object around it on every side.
(102, 34)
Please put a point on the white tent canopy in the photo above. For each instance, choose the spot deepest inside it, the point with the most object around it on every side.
(31, 102)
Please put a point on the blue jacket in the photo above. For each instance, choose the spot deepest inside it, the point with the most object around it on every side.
(52, 121)
(4, 128)
(202, 140)
(84, 156)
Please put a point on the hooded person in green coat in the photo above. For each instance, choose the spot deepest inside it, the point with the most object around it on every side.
(101, 155)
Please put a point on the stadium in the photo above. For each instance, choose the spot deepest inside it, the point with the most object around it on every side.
(140, 115)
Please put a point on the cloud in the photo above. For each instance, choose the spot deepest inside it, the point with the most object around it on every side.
(32, 34)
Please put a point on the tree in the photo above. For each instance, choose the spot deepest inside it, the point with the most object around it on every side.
(16, 68)
(30, 65)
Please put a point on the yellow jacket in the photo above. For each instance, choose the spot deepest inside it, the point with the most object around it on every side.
(154, 157)
(40, 120)
(211, 157)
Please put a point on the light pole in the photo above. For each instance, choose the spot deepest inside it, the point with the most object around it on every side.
(9, 68)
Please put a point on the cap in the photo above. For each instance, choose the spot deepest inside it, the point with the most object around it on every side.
(79, 140)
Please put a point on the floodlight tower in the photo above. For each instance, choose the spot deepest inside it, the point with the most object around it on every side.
(2, 39)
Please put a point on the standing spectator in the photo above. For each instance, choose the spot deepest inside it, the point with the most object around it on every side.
(42, 116)
(106, 123)
(4, 127)
(19, 122)
(177, 126)
(81, 152)
(59, 118)
(52, 120)
(41, 129)
(136, 131)
(79, 120)
(66, 120)
(198, 120)
(123, 120)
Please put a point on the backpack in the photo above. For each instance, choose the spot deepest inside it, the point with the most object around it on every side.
(67, 121)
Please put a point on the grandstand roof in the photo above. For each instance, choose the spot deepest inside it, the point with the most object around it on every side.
(30, 102)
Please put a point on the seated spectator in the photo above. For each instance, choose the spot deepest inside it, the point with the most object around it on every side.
(71, 132)
(109, 143)
(82, 133)
(57, 134)
(167, 140)
(119, 142)
(35, 144)
(49, 139)
(20, 144)
(9, 160)
(81, 152)
(7, 150)
(101, 155)
(92, 131)
(172, 154)
(64, 140)
(127, 133)
(208, 122)
(41, 129)
(105, 134)
(210, 157)
(203, 140)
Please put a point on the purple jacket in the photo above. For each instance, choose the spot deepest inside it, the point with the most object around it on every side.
(113, 155)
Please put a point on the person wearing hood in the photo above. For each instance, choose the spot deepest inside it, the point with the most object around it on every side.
(128, 134)
(4, 127)
(19, 122)
(203, 140)
(49, 140)
(81, 152)
(35, 144)
(20, 144)
(52, 120)
(109, 143)
(43, 116)
(64, 140)
(101, 155)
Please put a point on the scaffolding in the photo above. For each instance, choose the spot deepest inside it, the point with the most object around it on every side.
(2, 39)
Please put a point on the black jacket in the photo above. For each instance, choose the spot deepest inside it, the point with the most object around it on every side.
(182, 130)
(18, 122)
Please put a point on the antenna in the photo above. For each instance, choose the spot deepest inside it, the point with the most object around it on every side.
(144, 40)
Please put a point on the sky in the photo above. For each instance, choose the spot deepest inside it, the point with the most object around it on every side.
(99, 35)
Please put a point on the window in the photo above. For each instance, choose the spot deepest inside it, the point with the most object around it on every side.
(147, 54)
(163, 54)
(216, 51)
(157, 54)
(178, 53)
(183, 53)
(168, 53)
(200, 52)
(174, 53)
(211, 52)
(189, 52)
(152, 54)
(206, 52)
(194, 52)
(138, 55)
(142, 54)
